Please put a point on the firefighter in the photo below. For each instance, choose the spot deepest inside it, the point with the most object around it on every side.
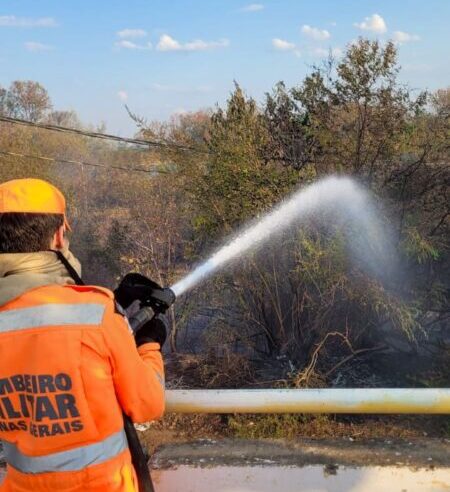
(69, 365)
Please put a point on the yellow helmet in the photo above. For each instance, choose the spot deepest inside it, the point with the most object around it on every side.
(32, 196)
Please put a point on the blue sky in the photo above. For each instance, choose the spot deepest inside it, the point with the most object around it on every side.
(168, 56)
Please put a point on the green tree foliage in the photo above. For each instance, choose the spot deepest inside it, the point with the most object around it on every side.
(235, 183)
(290, 141)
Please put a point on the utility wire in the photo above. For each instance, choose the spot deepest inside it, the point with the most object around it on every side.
(104, 136)
(82, 163)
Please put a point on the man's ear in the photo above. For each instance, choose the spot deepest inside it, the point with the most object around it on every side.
(58, 238)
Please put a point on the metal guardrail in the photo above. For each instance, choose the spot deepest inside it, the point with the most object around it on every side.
(328, 400)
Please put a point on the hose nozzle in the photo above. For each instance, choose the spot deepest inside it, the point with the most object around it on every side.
(136, 287)
(161, 299)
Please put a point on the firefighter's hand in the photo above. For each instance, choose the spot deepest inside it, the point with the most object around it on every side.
(153, 331)
(134, 287)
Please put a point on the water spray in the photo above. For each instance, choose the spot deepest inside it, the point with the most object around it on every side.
(340, 193)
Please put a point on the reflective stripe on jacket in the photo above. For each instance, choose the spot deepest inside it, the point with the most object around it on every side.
(68, 366)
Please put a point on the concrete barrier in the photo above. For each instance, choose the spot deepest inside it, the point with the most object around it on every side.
(305, 479)
(421, 465)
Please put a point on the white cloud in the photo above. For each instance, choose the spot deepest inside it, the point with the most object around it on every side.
(374, 23)
(167, 43)
(253, 7)
(13, 21)
(35, 47)
(129, 45)
(199, 45)
(315, 33)
(123, 96)
(403, 37)
(283, 45)
(132, 33)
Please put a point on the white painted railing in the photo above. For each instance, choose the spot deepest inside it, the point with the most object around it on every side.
(328, 400)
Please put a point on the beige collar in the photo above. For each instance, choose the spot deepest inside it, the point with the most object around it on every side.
(20, 272)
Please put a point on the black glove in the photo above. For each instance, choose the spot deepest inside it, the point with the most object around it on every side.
(134, 287)
(153, 331)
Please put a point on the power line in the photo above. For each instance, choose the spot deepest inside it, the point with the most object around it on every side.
(82, 163)
(104, 136)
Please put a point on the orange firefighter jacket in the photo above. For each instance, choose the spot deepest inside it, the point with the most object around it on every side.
(69, 366)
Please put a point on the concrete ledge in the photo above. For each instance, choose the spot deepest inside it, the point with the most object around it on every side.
(418, 453)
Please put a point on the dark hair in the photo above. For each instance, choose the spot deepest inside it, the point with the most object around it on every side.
(26, 232)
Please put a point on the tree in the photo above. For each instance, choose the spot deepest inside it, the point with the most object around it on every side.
(357, 111)
(68, 119)
(289, 139)
(34, 152)
(235, 182)
(27, 100)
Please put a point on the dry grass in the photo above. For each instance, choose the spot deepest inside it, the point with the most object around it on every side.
(208, 371)
(182, 428)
